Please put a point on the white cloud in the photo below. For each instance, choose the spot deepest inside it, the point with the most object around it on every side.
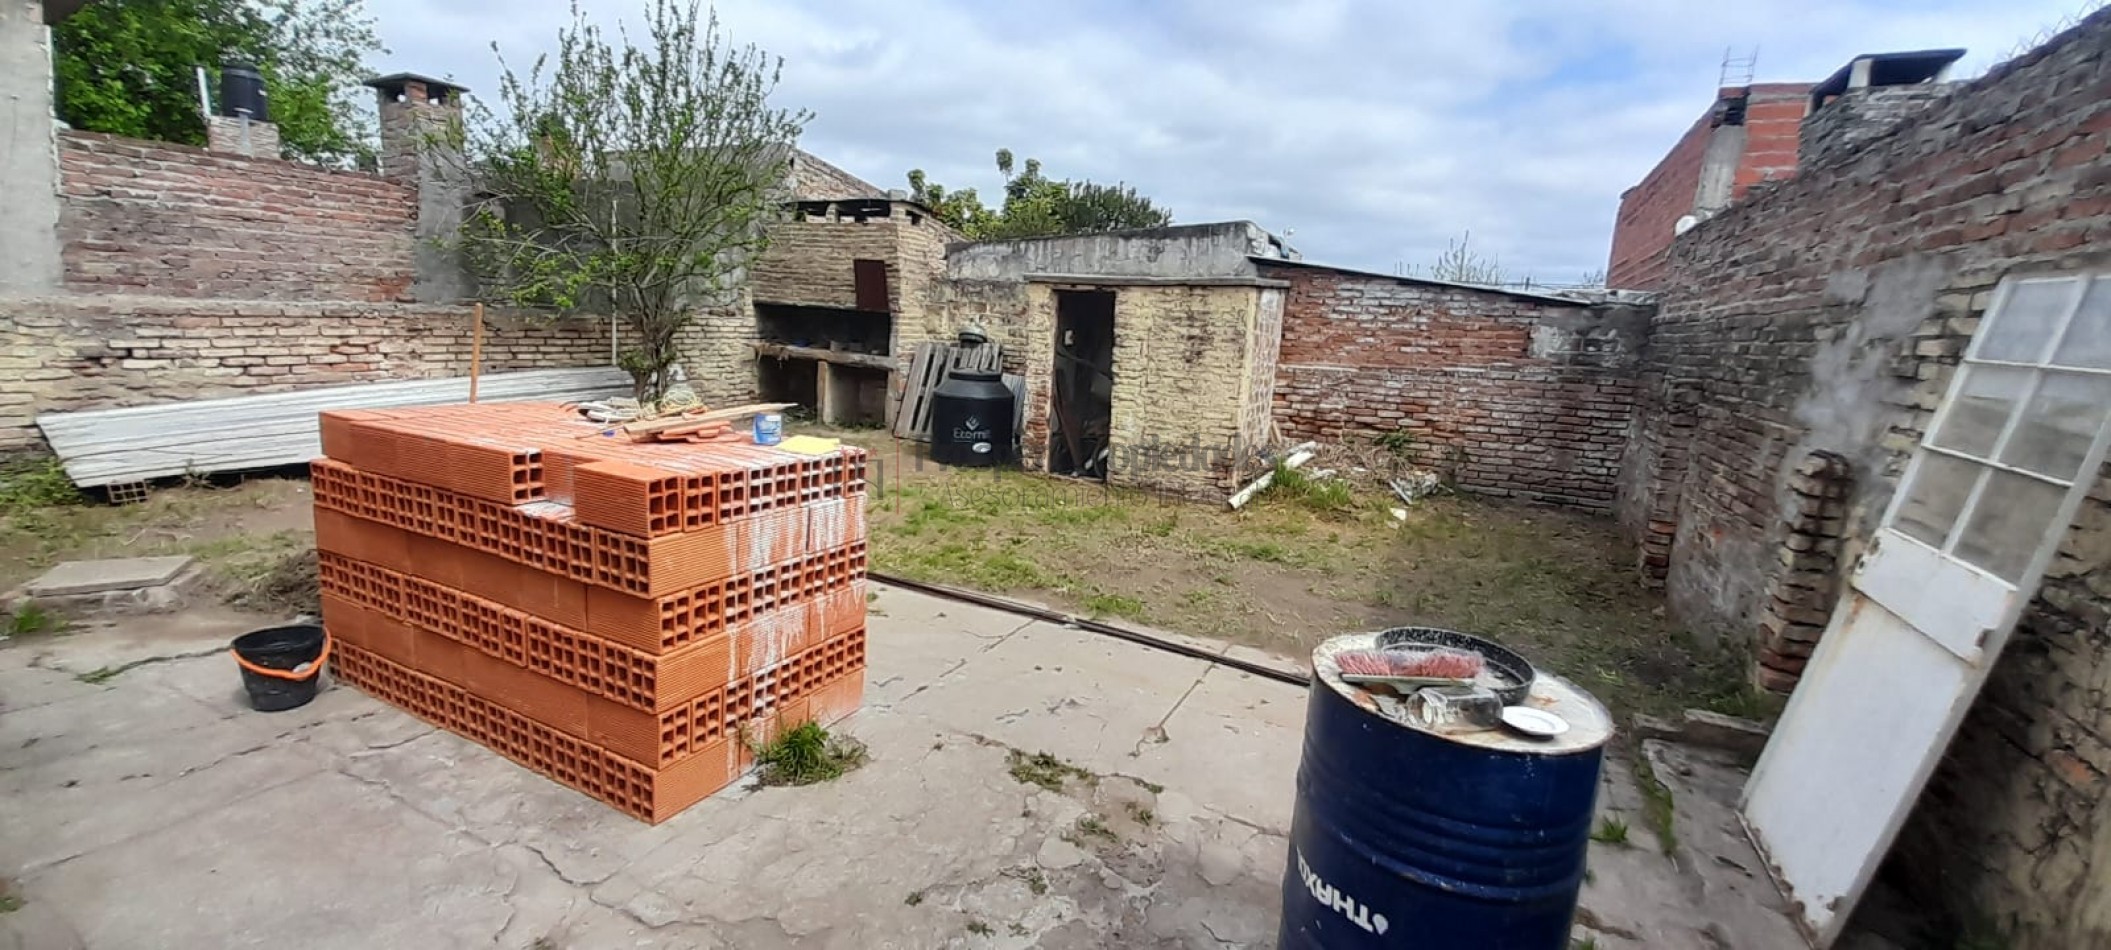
(1376, 129)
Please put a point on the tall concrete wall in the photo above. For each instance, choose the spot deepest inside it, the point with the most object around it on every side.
(1182, 251)
(29, 162)
(1817, 324)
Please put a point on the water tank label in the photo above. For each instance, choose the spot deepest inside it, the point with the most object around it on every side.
(971, 430)
(1327, 894)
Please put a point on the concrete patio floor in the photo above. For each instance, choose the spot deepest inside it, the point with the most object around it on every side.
(155, 810)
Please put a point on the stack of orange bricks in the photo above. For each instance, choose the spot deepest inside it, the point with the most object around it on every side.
(629, 619)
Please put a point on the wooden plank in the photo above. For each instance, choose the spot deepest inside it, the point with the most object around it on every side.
(926, 370)
(789, 352)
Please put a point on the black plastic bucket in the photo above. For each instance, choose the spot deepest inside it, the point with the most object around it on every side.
(282, 666)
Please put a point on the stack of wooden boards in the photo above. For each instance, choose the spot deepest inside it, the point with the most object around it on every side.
(629, 619)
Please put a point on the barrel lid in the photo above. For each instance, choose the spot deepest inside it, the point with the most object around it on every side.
(976, 375)
(1589, 723)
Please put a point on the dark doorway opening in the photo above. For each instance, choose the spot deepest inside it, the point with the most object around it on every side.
(1081, 405)
(794, 381)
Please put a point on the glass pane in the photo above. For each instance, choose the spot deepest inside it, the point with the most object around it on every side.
(1939, 489)
(2088, 339)
(2020, 330)
(2012, 520)
(1980, 407)
(2062, 420)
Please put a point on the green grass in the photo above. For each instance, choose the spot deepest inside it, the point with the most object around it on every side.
(1298, 564)
(32, 619)
(1143, 816)
(1044, 770)
(9, 903)
(914, 898)
(1657, 805)
(1331, 496)
(980, 929)
(806, 754)
(34, 482)
(1114, 605)
(1611, 830)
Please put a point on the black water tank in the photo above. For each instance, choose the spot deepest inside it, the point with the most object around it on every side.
(971, 420)
(242, 91)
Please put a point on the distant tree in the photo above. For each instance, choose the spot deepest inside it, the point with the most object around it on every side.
(1461, 264)
(641, 178)
(129, 67)
(1038, 206)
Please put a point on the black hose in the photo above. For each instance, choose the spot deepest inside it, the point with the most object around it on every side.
(1109, 630)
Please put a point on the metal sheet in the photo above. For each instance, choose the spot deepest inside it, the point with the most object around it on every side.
(138, 443)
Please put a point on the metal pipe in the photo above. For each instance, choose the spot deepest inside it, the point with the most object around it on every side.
(1109, 630)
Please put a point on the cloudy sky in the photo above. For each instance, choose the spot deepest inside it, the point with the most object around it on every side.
(1375, 130)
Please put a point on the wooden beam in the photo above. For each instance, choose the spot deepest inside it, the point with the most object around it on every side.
(790, 352)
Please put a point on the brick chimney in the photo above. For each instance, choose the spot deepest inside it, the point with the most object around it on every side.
(417, 112)
(413, 108)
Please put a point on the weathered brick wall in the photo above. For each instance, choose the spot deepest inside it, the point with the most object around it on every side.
(1839, 127)
(808, 262)
(150, 218)
(1507, 394)
(95, 352)
(816, 180)
(1826, 314)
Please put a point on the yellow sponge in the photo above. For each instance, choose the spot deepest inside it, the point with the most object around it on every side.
(810, 445)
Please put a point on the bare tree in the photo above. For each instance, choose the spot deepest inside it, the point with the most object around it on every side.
(1460, 263)
(636, 177)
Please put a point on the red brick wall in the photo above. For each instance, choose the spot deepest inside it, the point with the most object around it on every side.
(1826, 314)
(1773, 130)
(1650, 210)
(151, 218)
(1507, 394)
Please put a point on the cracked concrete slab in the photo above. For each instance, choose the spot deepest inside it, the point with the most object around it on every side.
(155, 809)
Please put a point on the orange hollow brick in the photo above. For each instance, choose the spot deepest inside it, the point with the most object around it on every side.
(651, 795)
(628, 498)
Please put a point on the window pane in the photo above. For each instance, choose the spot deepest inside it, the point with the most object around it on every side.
(2021, 328)
(1980, 407)
(2013, 518)
(2062, 420)
(2088, 339)
(1939, 489)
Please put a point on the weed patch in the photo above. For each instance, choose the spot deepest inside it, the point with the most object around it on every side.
(31, 619)
(806, 754)
(32, 482)
(1045, 770)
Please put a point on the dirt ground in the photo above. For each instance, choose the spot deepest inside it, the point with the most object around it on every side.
(1297, 566)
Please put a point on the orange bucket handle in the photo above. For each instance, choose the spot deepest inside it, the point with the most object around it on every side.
(315, 666)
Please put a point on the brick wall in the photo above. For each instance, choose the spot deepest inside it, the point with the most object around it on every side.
(1826, 313)
(1772, 132)
(808, 262)
(1839, 127)
(95, 352)
(1180, 370)
(1650, 211)
(1507, 394)
(151, 218)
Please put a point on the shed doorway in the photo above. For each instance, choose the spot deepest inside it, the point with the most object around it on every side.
(1081, 404)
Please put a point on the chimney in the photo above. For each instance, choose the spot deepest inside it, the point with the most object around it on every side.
(1869, 96)
(413, 109)
(418, 115)
(242, 124)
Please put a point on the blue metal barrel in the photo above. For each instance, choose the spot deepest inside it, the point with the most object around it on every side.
(1406, 837)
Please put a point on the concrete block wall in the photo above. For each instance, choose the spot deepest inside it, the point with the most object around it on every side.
(62, 354)
(1180, 374)
(1509, 395)
(152, 218)
(1827, 313)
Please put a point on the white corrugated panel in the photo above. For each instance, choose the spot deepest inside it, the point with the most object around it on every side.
(117, 446)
